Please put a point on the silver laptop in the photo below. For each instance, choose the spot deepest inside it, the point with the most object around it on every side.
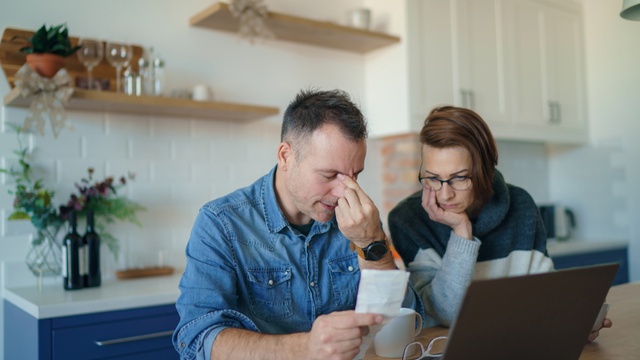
(544, 316)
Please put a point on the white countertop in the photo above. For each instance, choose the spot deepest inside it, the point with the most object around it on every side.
(53, 301)
(579, 246)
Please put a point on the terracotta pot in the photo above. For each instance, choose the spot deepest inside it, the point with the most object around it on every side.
(47, 65)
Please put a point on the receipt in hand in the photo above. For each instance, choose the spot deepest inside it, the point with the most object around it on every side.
(381, 291)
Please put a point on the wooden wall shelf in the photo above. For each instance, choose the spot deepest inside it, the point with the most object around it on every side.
(11, 60)
(153, 105)
(298, 29)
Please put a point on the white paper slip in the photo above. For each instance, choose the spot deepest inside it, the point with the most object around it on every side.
(381, 291)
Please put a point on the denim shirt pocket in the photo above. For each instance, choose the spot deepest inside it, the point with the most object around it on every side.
(270, 292)
(345, 276)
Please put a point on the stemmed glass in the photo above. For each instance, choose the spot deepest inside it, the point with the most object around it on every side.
(90, 54)
(119, 55)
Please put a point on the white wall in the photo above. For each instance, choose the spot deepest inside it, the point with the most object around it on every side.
(600, 181)
(181, 163)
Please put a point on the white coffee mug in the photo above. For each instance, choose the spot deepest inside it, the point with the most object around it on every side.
(201, 93)
(391, 340)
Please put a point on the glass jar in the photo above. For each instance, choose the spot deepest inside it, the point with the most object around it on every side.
(158, 77)
(132, 82)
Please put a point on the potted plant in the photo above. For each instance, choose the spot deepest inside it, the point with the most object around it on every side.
(48, 49)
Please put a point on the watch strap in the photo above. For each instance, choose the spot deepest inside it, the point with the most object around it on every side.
(360, 250)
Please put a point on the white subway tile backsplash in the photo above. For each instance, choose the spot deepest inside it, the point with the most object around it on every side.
(171, 171)
(525, 165)
(141, 168)
(210, 172)
(210, 130)
(191, 149)
(150, 195)
(151, 149)
(188, 194)
(170, 127)
(14, 115)
(14, 228)
(128, 125)
(100, 147)
(65, 146)
(86, 122)
(14, 246)
(245, 174)
(8, 143)
(71, 171)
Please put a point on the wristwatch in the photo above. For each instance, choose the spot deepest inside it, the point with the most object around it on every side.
(374, 251)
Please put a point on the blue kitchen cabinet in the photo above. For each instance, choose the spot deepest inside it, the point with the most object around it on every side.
(140, 333)
(618, 255)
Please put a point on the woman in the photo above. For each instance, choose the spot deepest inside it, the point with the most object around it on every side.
(475, 226)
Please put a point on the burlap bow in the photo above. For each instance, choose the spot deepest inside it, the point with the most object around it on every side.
(48, 99)
(252, 15)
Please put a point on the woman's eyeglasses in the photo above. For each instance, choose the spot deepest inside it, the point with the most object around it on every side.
(416, 351)
(459, 183)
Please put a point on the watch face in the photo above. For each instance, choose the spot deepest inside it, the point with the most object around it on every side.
(376, 250)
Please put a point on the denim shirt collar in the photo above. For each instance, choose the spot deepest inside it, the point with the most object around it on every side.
(273, 215)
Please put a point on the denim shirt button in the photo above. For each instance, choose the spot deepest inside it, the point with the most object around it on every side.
(182, 344)
(350, 268)
(312, 284)
(270, 282)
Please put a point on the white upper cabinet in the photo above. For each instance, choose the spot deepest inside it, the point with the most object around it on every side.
(548, 91)
(518, 63)
(456, 56)
(479, 58)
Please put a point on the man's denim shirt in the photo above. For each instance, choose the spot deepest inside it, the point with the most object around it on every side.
(248, 269)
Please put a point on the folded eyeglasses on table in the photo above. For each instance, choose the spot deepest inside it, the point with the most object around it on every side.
(417, 351)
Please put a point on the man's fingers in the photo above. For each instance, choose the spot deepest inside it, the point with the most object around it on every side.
(351, 319)
(352, 197)
(349, 182)
(353, 185)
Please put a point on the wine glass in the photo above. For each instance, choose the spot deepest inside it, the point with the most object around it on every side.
(118, 55)
(90, 54)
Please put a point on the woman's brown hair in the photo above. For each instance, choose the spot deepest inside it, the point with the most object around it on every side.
(450, 126)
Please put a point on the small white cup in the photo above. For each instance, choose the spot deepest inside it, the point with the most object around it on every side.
(201, 93)
(391, 340)
(360, 18)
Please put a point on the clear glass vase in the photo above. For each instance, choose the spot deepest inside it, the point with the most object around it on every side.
(45, 257)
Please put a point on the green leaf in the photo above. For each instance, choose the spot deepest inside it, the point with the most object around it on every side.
(19, 215)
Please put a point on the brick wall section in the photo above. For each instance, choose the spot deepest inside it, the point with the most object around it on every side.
(400, 159)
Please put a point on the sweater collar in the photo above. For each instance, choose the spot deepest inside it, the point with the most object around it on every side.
(495, 210)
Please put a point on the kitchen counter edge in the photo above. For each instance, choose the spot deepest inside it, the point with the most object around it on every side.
(51, 301)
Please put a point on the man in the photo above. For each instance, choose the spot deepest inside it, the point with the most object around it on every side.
(271, 272)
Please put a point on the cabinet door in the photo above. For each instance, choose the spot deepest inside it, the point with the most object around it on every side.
(547, 66)
(564, 67)
(430, 57)
(479, 54)
(530, 88)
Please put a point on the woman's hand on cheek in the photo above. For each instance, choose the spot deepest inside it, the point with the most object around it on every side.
(459, 222)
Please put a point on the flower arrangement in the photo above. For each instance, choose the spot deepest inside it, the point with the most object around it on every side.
(33, 201)
(102, 198)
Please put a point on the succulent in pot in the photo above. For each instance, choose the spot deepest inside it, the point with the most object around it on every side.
(48, 49)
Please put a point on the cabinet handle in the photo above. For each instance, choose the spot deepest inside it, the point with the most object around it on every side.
(134, 338)
(468, 99)
(552, 112)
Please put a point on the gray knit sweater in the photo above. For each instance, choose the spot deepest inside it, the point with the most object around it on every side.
(509, 239)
